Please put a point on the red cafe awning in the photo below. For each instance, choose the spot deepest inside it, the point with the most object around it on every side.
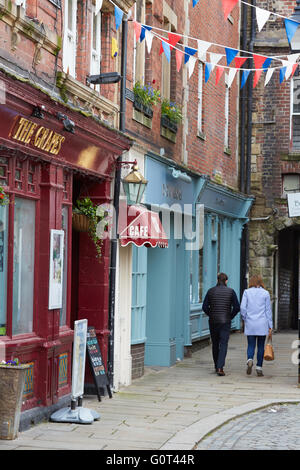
(141, 227)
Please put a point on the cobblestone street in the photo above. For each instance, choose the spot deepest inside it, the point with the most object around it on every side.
(274, 428)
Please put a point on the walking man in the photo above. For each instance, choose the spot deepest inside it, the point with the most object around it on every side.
(221, 305)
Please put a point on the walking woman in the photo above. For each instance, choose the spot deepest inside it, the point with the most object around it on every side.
(257, 314)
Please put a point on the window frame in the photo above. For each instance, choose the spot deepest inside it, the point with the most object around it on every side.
(69, 59)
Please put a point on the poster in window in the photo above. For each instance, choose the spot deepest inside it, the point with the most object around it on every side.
(56, 269)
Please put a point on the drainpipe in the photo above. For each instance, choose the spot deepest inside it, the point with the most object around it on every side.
(114, 241)
(245, 177)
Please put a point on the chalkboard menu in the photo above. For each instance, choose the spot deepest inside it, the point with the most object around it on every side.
(96, 362)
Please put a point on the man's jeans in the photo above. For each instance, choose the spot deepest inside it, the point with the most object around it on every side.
(260, 341)
(219, 333)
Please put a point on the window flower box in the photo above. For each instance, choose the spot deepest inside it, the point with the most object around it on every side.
(169, 124)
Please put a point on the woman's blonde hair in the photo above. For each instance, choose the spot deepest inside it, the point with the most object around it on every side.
(256, 281)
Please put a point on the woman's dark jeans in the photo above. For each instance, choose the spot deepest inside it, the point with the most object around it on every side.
(258, 341)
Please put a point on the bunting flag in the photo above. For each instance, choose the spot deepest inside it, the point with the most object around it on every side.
(245, 75)
(228, 6)
(231, 75)
(179, 56)
(219, 73)
(202, 49)
(267, 63)
(149, 39)
(191, 65)
(239, 61)
(167, 50)
(195, 3)
(290, 28)
(144, 28)
(214, 59)
(269, 75)
(282, 74)
(118, 16)
(230, 54)
(137, 29)
(207, 72)
(262, 17)
(188, 52)
(259, 61)
(114, 47)
(98, 6)
(173, 39)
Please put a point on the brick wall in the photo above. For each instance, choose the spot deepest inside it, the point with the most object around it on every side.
(138, 355)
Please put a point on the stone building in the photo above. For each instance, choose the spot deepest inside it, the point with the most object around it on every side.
(274, 170)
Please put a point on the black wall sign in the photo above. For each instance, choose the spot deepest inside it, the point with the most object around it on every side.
(96, 362)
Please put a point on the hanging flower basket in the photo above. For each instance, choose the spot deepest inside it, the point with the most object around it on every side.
(80, 222)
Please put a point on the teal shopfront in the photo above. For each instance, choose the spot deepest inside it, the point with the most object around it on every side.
(168, 284)
(225, 215)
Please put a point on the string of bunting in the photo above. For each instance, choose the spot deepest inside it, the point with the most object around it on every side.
(190, 55)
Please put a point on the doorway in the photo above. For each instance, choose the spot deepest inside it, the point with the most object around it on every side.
(288, 278)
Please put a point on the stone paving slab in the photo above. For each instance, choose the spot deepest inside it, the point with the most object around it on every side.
(174, 408)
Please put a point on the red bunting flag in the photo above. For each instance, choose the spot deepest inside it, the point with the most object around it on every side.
(173, 39)
(137, 28)
(294, 69)
(219, 73)
(179, 56)
(258, 62)
(239, 61)
(228, 7)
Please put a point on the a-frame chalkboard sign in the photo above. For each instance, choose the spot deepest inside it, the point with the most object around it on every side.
(96, 362)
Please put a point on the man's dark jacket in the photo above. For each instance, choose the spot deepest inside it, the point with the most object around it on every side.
(221, 304)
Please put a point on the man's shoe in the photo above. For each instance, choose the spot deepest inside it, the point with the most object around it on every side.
(249, 366)
(259, 372)
(220, 372)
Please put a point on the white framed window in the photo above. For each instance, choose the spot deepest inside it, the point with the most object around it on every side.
(200, 98)
(139, 47)
(226, 127)
(166, 68)
(96, 45)
(295, 113)
(69, 43)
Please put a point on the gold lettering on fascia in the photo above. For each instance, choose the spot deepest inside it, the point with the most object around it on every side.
(40, 137)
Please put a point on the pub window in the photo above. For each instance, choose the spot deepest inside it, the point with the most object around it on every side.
(295, 113)
(65, 227)
(3, 267)
(23, 265)
(226, 128)
(3, 171)
(139, 47)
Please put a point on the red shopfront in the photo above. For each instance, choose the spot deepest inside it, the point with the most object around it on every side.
(45, 168)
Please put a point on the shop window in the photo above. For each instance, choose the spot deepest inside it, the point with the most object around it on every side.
(69, 45)
(3, 267)
(3, 171)
(290, 183)
(19, 175)
(23, 265)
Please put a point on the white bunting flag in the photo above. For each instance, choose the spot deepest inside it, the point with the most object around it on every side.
(231, 76)
(269, 75)
(214, 59)
(262, 17)
(191, 65)
(292, 59)
(98, 6)
(202, 48)
(148, 38)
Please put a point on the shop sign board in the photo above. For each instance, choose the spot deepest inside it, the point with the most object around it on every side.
(79, 355)
(294, 204)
